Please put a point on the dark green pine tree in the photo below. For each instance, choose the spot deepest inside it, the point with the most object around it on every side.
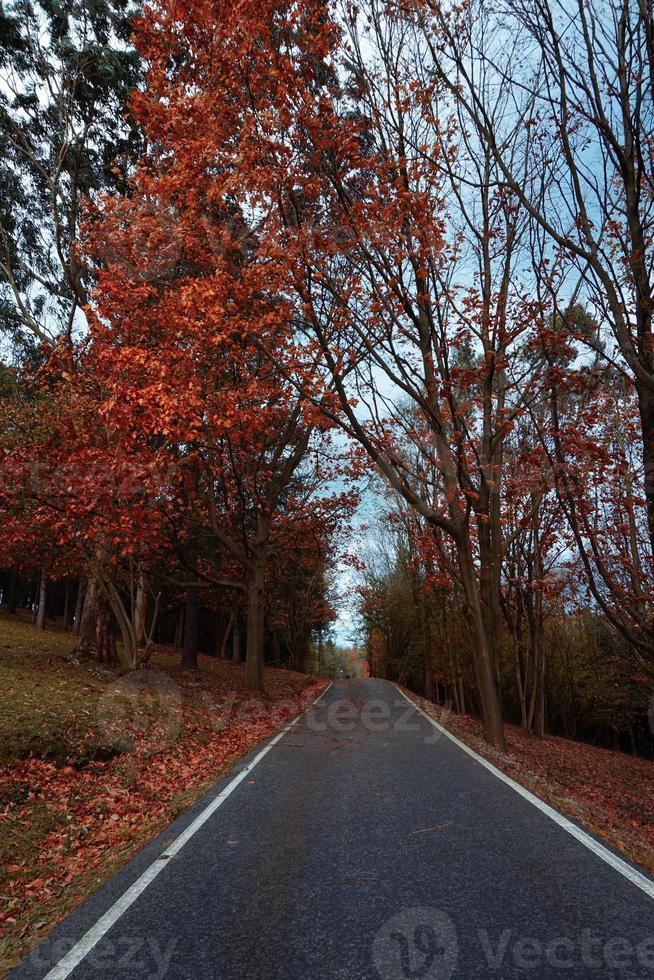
(66, 71)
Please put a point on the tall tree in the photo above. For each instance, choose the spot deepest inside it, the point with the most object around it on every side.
(188, 336)
(66, 70)
(574, 147)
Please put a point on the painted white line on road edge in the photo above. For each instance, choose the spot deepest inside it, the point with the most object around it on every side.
(635, 877)
(83, 947)
(322, 693)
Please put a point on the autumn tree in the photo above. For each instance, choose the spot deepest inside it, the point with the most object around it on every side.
(66, 71)
(575, 151)
(195, 343)
(85, 501)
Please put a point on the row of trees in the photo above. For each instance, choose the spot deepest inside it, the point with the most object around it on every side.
(157, 454)
(426, 226)
(294, 617)
(562, 669)
(211, 483)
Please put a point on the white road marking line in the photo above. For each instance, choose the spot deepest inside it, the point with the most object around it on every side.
(322, 693)
(634, 876)
(82, 948)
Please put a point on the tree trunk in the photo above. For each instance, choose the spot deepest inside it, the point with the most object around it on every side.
(43, 598)
(256, 611)
(429, 675)
(524, 721)
(462, 694)
(191, 629)
(96, 639)
(276, 653)
(237, 638)
(428, 669)
(226, 634)
(646, 409)
(534, 609)
(491, 708)
(633, 748)
(140, 609)
(79, 605)
(299, 653)
(489, 593)
(538, 722)
(455, 689)
(539, 708)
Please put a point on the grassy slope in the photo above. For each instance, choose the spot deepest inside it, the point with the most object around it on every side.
(92, 767)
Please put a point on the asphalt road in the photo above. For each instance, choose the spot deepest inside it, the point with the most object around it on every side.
(365, 844)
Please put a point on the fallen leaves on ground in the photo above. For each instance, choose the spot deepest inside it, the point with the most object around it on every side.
(144, 749)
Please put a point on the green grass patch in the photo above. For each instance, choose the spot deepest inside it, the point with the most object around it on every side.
(49, 701)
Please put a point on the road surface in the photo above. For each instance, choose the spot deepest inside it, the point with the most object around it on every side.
(363, 844)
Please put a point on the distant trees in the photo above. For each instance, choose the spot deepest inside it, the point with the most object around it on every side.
(553, 648)
(234, 507)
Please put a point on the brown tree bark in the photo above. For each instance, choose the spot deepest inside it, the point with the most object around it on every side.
(429, 676)
(222, 652)
(646, 409)
(95, 639)
(140, 609)
(191, 629)
(43, 598)
(299, 655)
(483, 660)
(255, 624)
(79, 605)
